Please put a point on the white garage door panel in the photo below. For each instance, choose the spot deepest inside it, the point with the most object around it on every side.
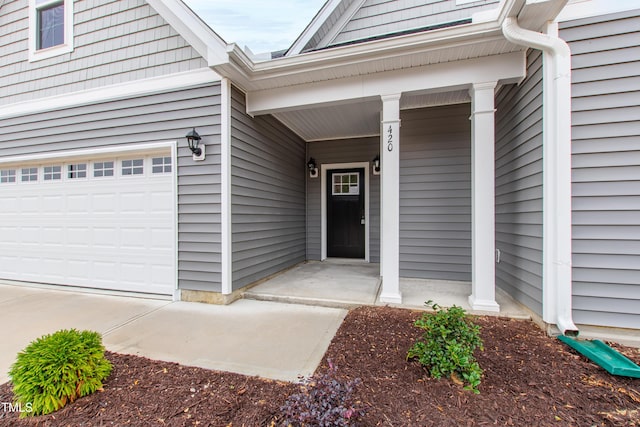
(112, 233)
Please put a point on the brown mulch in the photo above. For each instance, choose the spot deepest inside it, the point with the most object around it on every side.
(529, 379)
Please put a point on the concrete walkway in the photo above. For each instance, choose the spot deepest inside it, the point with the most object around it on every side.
(269, 339)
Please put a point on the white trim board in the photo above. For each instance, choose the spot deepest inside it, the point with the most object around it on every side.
(91, 152)
(323, 204)
(111, 92)
(225, 192)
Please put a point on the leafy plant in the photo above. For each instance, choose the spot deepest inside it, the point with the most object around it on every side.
(323, 401)
(447, 345)
(58, 368)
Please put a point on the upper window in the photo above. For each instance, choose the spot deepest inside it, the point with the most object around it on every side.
(50, 17)
(50, 28)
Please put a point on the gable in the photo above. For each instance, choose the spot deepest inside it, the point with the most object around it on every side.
(114, 42)
(352, 21)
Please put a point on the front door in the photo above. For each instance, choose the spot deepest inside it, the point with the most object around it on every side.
(345, 213)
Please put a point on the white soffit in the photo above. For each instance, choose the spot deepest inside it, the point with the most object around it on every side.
(356, 120)
(334, 122)
(536, 13)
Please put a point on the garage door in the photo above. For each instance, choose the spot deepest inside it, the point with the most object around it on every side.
(104, 223)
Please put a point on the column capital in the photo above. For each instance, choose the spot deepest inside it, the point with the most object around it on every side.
(391, 97)
(482, 98)
(483, 86)
(390, 108)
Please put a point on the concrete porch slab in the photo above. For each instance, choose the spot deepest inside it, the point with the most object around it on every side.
(415, 292)
(333, 283)
(347, 284)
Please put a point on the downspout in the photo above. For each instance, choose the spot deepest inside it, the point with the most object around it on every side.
(557, 280)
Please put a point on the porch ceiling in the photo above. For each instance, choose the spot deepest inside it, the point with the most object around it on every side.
(356, 120)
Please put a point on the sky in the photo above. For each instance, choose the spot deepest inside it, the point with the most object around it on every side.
(264, 26)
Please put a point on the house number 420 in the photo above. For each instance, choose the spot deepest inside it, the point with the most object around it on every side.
(390, 138)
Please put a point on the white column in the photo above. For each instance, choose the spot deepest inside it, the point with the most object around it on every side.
(225, 191)
(390, 199)
(483, 292)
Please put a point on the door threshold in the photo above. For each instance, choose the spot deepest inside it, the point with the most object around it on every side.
(345, 261)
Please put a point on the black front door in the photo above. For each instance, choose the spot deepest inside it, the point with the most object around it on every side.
(345, 213)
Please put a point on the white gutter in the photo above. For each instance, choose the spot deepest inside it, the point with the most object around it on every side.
(556, 172)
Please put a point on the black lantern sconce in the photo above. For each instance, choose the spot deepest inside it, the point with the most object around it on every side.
(193, 139)
(376, 165)
(313, 168)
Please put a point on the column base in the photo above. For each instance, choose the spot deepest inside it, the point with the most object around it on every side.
(392, 298)
(483, 304)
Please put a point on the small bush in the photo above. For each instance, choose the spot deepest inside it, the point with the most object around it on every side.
(447, 345)
(58, 368)
(323, 401)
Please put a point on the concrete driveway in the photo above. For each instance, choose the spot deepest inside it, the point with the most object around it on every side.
(268, 339)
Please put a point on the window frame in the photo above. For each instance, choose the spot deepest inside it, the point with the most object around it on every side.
(165, 165)
(54, 174)
(30, 174)
(36, 54)
(76, 171)
(9, 176)
(104, 168)
(337, 188)
(133, 168)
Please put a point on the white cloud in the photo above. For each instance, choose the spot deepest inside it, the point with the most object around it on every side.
(261, 25)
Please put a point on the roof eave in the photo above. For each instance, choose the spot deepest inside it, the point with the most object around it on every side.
(242, 70)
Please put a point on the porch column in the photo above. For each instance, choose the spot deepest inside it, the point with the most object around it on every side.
(390, 199)
(483, 288)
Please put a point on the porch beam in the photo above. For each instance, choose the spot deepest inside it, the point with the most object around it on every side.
(390, 199)
(455, 75)
(483, 288)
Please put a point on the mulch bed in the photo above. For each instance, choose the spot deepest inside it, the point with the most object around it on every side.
(529, 380)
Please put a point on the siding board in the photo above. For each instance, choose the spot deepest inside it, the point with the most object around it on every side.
(435, 193)
(268, 195)
(519, 186)
(376, 18)
(606, 176)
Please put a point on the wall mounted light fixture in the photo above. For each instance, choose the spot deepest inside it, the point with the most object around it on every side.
(313, 168)
(376, 165)
(194, 141)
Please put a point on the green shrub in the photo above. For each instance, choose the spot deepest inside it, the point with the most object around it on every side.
(447, 345)
(58, 368)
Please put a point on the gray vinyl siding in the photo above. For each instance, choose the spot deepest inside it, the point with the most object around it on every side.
(267, 195)
(606, 168)
(114, 42)
(342, 151)
(518, 161)
(380, 17)
(331, 21)
(154, 118)
(435, 193)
